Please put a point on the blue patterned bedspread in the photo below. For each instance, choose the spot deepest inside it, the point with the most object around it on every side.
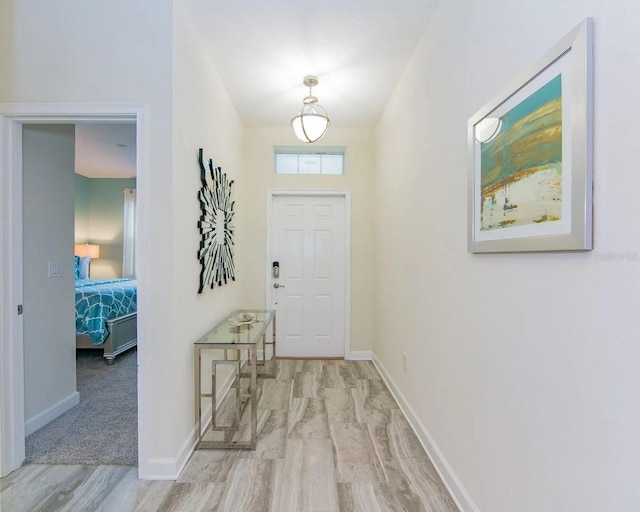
(99, 300)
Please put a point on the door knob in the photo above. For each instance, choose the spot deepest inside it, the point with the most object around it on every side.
(278, 285)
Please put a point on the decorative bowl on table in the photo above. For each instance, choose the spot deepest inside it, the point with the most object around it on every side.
(242, 319)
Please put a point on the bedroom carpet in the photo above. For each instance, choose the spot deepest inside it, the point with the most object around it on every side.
(103, 427)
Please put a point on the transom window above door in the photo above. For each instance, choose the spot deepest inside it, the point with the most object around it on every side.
(316, 160)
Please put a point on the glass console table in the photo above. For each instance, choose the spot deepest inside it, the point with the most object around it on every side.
(232, 341)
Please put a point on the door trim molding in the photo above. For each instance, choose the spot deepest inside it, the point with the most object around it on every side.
(12, 117)
(346, 194)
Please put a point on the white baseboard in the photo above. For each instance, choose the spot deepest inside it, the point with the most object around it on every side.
(168, 468)
(162, 469)
(360, 355)
(50, 414)
(459, 494)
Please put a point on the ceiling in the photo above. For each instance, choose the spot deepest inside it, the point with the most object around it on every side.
(106, 150)
(264, 48)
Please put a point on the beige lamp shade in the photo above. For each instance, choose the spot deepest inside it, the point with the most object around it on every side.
(91, 250)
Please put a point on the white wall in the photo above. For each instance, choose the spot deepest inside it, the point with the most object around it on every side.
(6, 43)
(358, 178)
(49, 329)
(116, 52)
(203, 117)
(145, 53)
(522, 367)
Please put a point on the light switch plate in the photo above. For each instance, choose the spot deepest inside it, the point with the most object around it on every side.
(55, 269)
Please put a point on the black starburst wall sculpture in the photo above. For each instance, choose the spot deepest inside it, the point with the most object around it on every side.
(215, 224)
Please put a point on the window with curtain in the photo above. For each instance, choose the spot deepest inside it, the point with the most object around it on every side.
(129, 237)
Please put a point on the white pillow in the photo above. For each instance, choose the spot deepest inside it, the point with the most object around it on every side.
(83, 267)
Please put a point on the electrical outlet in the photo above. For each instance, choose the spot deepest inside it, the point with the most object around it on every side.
(404, 361)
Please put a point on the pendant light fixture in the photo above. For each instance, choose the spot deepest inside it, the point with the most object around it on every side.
(312, 121)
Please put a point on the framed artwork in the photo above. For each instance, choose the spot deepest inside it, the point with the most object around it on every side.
(215, 224)
(530, 183)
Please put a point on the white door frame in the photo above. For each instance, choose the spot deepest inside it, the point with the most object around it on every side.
(12, 117)
(346, 194)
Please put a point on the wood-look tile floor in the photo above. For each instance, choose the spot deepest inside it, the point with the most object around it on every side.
(331, 438)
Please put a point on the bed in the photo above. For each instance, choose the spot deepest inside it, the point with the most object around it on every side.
(106, 315)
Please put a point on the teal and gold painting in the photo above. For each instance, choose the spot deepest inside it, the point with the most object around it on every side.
(521, 164)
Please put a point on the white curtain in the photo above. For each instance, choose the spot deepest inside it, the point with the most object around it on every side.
(129, 241)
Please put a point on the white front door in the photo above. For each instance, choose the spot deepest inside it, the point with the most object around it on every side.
(308, 242)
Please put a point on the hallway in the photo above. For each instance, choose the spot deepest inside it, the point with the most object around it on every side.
(331, 438)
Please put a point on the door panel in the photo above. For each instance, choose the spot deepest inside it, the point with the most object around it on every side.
(322, 316)
(294, 253)
(48, 238)
(322, 252)
(294, 306)
(308, 239)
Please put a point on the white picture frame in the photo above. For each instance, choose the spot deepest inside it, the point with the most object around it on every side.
(531, 151)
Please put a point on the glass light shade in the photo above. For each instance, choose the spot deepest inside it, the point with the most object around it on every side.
(91, 250)
(311, 123)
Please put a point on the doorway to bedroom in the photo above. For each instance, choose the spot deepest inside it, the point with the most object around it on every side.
(13, 117)
(79, 191)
